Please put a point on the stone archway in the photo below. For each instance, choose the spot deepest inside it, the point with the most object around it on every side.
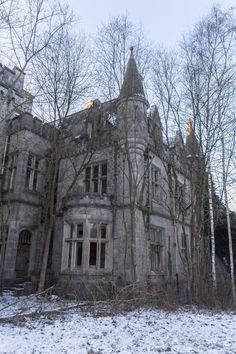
(23, 255)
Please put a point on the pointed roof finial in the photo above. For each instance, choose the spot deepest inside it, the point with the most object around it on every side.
(132, 84)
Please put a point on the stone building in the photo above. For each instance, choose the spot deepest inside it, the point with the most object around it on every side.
(14, 99)
(123, 196)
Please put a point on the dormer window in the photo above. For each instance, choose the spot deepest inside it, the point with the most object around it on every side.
(112, 119)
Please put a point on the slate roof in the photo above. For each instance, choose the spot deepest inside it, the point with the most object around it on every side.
(132, 84)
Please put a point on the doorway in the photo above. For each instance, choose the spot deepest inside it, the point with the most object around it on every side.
(23, 255)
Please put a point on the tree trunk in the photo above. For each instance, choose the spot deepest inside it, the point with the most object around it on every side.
(224, 178)
(212, 234)
(231, 256)
(51, 215)
(43, 271)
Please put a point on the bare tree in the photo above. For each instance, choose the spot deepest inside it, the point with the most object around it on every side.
(63, 78)
(30, 26)
(209, 84)
(112, 44)
(27, 28)
(167, 88)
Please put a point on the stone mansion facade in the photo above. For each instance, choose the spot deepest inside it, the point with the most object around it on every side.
(117, 219)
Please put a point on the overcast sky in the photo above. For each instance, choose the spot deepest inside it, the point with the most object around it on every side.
(164, 21)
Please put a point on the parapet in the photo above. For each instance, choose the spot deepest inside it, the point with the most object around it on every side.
(13, 79)
(26, 121)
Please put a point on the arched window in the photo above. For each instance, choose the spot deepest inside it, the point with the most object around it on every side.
(25, 237)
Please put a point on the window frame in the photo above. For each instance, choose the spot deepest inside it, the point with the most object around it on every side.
(100, 241)
(12, 167)
(71, 244)
(156, 249)
(70, 247)
(155, 183)
(98, 179)
(32, 171)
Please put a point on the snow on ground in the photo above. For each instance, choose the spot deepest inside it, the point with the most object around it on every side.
(11, 305)
(140, 331)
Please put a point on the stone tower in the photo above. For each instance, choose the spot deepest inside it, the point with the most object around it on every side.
(132, 142)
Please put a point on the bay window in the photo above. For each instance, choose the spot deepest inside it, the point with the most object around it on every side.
(85, 246)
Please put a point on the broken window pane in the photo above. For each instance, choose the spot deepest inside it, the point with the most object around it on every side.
(87, 179)
(79, 254)
(103, 231)
(102, 255)
(104, 186)
(35, 179)
(71, 230)
(87, 186)
(104, 170)
(93, 254)
(95, 186)
(80, 232)
(36, 166)
(69, 254)
(95, 171)
(95, 178)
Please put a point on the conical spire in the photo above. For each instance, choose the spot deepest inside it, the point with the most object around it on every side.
(132, 84)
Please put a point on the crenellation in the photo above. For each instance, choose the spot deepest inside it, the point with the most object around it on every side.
(26, 121)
